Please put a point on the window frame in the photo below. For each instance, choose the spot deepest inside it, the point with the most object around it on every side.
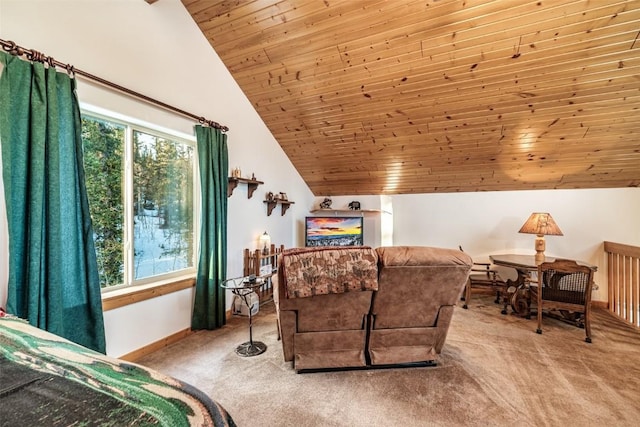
(147, 284)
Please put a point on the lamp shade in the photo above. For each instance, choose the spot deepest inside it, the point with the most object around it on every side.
(542, 224)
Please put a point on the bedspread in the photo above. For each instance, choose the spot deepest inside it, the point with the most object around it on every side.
(48, 380)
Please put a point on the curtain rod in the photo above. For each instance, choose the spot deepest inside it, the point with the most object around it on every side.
(34, 55)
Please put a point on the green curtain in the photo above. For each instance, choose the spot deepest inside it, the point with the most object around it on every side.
(53, 272)
(209, 305)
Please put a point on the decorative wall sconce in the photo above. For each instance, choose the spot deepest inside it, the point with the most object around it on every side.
(265, 242)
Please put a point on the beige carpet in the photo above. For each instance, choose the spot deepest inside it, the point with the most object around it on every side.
(494, 371)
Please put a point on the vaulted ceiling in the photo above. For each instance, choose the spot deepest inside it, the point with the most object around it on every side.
(402, 96)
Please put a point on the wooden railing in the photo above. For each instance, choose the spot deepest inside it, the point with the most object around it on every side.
(623, 263)
(264, 265)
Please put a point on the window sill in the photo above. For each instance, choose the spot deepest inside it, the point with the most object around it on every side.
(123, 297)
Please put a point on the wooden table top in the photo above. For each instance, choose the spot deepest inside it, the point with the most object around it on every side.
(527, 262)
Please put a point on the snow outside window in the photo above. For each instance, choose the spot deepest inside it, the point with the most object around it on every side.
(141, 197)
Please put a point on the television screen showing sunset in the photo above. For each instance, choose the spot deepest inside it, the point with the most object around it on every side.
(333, 231)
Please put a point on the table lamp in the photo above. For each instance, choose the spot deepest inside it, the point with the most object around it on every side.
(540, 224)
(265, 242)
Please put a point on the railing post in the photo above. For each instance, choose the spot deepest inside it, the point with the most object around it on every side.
(623, 263)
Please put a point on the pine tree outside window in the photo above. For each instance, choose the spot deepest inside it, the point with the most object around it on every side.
(143, 215)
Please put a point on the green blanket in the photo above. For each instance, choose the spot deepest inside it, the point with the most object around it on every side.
(47, 380)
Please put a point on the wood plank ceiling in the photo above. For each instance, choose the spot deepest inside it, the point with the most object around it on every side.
(396, 97)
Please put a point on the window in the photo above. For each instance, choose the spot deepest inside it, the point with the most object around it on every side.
(140, 185)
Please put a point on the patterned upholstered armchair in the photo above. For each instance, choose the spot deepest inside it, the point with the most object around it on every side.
(323, 298)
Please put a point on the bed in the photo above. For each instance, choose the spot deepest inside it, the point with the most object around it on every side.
(48, 380)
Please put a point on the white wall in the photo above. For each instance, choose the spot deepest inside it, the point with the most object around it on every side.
(488, 222)
(157, 50)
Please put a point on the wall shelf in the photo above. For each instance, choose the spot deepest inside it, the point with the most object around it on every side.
(349, 211)
(252, 184)
(284, 205)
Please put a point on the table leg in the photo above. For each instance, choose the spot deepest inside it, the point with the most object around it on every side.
(251, 347)
(521, 298)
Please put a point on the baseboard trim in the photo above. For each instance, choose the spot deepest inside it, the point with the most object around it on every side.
(155, 346)
(600, 304)
(165, 342)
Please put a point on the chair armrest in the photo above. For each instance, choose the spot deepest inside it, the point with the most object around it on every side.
(485, 264)
(490, 273)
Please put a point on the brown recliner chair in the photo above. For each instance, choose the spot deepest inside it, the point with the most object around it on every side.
(412, 308)
(355, 307)
(323, 298)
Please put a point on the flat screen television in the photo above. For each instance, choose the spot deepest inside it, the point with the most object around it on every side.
(333, 231)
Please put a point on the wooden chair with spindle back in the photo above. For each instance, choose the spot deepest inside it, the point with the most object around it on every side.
(565, 286)
(484, 276)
